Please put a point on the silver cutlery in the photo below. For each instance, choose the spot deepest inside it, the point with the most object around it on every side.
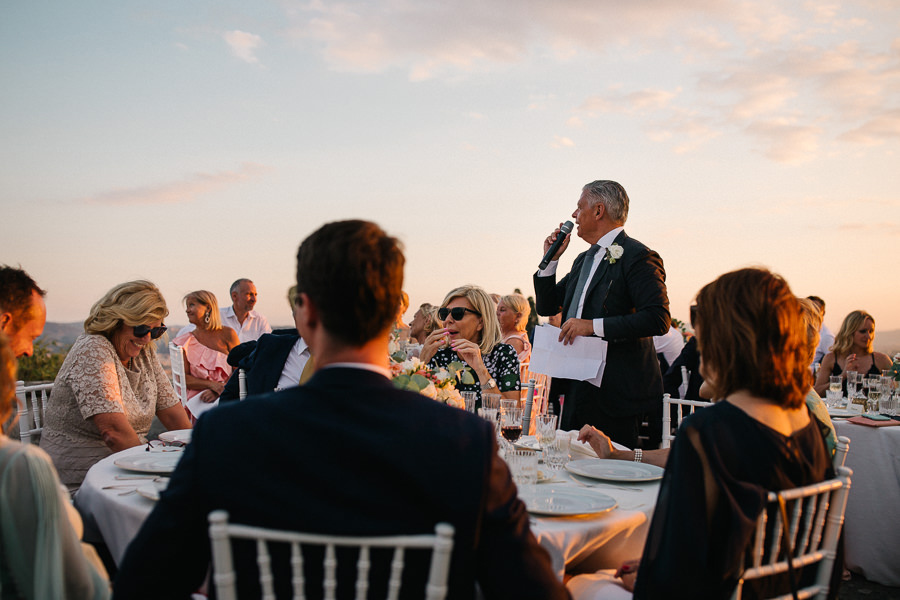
(606, 485)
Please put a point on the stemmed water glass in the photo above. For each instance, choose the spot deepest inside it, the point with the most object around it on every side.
(851, 385)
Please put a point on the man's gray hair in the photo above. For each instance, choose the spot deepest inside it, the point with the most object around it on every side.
(613, 197)
(237, 284)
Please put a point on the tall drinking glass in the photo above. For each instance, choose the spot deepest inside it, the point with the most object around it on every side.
(834, 390)
(851, 384)
(874, 399)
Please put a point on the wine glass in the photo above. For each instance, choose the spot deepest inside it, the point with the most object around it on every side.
(851, 385)
(511, 423)
(874, 397)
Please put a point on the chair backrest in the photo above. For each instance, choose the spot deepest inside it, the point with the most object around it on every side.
(541, 386)
(242, 384)
(32, 399)
(176, 356)
(685, 381)
(225, 578)
(815, 516)
(680, 406)
(840, 451)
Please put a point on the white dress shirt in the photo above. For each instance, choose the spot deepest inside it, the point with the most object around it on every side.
(293, 365)
(669, 345)
(253, 327)
(826, 341)
(604, 243)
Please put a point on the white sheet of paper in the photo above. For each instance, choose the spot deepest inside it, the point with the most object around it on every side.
(583, 360)
(198, 407)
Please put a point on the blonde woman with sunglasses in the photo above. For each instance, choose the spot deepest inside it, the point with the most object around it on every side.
(111, 384)
(471, 335)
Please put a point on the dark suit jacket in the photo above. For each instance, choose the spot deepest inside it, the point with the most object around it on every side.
(347, 453)
(690, 358)
(630, 296)
(263, 367)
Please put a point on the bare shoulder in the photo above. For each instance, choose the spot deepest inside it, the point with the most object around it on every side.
(882, 360)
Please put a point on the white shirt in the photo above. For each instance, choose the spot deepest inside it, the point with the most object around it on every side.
(604, 243)
(293, 365)
(253, 327)
(670, 344)
(826, 341)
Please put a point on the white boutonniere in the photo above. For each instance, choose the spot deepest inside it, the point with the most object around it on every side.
(614, 253)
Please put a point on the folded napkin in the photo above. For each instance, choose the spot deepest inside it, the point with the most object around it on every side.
(582, 450)
(861, 420)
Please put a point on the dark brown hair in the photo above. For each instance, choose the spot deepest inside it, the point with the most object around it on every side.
(16, 288)
(353, 272)
(752, 337)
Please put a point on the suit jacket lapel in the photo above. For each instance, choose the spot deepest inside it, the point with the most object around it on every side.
(602, 269)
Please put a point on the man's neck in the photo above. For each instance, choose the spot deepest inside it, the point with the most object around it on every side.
(373, 352)
(240, 314)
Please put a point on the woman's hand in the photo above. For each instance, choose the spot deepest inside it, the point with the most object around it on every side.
(628, 573)
(470, 352)
(438, 339)
(851, 364)
(208, 396)
(215, 387)
(598, 441)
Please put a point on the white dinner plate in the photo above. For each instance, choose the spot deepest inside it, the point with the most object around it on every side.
(150, 462)
(151, 490)
(565, 501)
(615, 470)
(842, 413)
(178, 435)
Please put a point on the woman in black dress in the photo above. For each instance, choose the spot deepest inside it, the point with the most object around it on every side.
(726, 458)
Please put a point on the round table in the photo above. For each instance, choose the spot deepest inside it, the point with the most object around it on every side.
(575, 544)
(115, 513)
(871, 532)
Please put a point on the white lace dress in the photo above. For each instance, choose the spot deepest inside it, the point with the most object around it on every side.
(92, 381)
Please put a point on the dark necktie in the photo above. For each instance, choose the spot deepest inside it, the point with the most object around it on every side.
(582, 281)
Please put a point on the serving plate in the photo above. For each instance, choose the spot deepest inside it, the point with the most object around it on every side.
(615, 470)
(150, 462)
(177, 435)
(565, 501)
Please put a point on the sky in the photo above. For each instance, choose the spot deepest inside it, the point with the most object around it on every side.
(193, 143)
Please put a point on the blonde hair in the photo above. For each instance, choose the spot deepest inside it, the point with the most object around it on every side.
(518, 303)
(430, 316)
(7, 380)
(129, 304)
(843, 341)
(812, 316)
(207, 299)
(482, 303)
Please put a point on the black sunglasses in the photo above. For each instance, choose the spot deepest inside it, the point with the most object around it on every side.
(457, 312)
(155, 332)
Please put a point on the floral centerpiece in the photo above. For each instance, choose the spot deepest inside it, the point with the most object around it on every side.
(437, 383)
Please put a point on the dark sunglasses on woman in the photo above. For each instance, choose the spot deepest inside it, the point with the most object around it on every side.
(457, 312)
(155, 332)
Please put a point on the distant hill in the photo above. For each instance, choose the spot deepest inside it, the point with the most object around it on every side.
(888, 341)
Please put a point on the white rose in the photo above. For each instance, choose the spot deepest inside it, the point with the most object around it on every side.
(616, 251)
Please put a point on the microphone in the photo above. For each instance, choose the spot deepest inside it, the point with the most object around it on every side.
(563, 231)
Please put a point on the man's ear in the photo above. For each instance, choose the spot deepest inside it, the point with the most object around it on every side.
(5, 322)
(307, 312)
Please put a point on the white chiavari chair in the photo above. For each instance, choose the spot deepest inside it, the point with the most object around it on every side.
(32, 399)
(176, 356)
(680, 407)
(808, 531)
(224, 576)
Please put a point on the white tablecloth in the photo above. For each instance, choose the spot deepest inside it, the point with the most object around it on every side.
(585, 544)
(871, 527)
(575, 544)
(117, 517)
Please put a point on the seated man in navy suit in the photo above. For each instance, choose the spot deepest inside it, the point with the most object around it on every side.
(346, 454)
(275, 361)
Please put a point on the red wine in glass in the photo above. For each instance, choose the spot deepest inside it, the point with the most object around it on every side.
(511, 432)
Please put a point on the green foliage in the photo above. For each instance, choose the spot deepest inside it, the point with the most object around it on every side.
(462, 372)
(45, 363)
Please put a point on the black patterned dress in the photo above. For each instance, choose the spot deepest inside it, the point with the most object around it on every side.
(501, 362)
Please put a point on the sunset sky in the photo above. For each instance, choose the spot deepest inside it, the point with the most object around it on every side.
(192, 143)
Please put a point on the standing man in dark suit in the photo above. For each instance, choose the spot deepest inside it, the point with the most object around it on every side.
(347, 453)
(616, 290)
